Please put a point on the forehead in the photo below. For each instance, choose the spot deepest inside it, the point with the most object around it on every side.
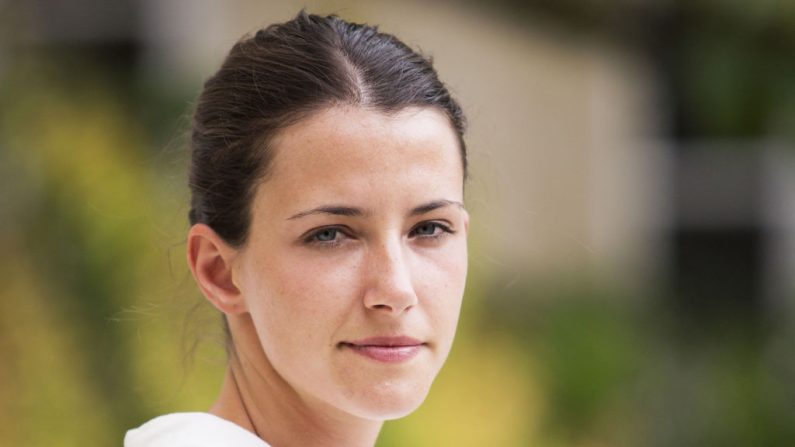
(349, 150)
(352, 133)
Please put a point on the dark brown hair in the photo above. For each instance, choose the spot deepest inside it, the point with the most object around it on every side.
(280, 75)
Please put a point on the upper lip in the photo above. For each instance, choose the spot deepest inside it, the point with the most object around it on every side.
(385, 341)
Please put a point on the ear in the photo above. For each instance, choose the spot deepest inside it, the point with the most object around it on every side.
(466, 222)
(211, 260)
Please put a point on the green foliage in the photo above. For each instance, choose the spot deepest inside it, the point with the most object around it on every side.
(83, 255)
(98, 314)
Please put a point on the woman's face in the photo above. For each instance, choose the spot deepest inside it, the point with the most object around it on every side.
(354, 269)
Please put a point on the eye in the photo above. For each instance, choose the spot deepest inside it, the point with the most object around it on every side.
(326, 237)
(430, 230)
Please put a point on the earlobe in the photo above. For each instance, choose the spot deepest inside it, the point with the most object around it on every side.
(210, 260)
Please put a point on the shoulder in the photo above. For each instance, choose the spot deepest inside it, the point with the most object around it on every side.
(191, 430)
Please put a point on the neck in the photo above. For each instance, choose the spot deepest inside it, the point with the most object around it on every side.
(256, 397)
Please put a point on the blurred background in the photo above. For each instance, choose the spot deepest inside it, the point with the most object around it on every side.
(633, 202)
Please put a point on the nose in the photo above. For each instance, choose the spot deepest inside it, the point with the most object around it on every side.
(390, 288)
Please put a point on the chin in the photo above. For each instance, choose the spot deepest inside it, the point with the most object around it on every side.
(389, 400)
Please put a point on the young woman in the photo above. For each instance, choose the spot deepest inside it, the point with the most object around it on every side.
(328, 226)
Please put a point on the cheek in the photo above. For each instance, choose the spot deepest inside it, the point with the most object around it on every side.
(442, 277)
(300, 299)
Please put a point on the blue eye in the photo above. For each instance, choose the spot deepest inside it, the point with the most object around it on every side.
(326, 235)
(428, 230)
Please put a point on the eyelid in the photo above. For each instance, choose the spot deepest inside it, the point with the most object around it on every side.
(445, 225)
(309, 236)
(441, 222)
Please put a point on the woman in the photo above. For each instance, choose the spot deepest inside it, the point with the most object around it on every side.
(328, 227)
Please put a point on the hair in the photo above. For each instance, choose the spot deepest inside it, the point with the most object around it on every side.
(280, 75)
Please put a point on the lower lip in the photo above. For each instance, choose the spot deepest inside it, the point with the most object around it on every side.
(386, 354)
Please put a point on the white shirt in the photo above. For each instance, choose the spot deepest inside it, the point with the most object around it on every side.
(191, 430)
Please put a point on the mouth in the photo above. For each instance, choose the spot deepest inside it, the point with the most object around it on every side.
(386, 349)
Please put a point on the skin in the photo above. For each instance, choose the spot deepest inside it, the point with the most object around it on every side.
(385, 255)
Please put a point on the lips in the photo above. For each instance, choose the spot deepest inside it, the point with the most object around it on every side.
(386, 349)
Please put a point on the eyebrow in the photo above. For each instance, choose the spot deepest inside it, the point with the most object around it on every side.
(348, 211)
(436, 204)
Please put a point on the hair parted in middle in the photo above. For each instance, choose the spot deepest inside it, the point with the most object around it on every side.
(280, 75)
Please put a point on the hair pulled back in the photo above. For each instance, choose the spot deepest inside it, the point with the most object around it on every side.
(280, 75)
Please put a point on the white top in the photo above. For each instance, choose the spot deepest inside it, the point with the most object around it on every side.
(191, 430)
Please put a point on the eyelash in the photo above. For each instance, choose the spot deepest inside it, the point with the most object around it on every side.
(312, 238)
(445, 230)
